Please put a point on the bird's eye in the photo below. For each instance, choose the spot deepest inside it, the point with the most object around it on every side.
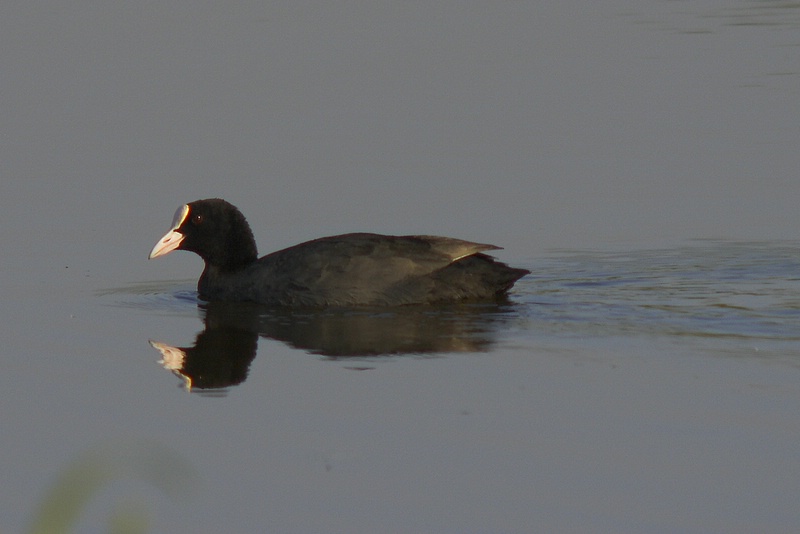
(197, 219)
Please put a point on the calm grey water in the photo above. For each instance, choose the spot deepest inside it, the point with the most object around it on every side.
(639, 157)
(618, 390)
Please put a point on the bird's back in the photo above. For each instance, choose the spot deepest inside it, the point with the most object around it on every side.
(367, 269)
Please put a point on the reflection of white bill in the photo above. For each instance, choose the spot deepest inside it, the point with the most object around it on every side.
(172, 359)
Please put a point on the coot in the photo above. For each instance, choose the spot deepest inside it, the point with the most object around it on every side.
(344, 270)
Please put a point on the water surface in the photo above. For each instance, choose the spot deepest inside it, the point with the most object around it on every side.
(628, 384)
(640, 158)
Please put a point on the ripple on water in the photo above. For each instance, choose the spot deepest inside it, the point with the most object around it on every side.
(168, 296)
(712, 289)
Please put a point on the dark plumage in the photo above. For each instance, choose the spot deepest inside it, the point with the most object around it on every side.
(344, 270)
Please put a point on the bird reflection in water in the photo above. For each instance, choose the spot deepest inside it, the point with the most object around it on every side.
(223, 351)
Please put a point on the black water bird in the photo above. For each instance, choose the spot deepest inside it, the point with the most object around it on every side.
(358, 269)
